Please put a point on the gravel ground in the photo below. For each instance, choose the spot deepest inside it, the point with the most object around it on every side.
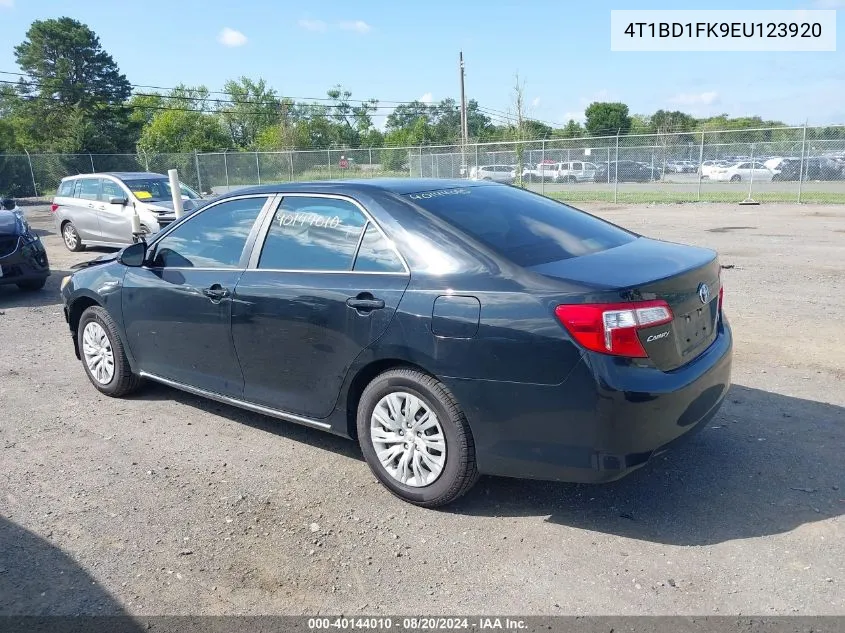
(168, 504)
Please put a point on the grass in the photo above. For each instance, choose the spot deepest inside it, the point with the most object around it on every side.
(668, 197)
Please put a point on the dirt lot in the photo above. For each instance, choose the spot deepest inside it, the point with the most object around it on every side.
(168, 504)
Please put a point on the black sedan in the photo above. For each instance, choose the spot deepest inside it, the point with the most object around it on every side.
(625, 171)
(453, 328)
(23, 260)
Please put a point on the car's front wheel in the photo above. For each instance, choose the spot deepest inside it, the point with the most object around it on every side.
(32, 284)
(415, 438)
(103, 355)
(736, 178)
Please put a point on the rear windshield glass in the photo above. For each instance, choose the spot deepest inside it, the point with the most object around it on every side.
(526, 228)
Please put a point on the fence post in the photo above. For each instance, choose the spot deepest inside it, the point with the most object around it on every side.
(290, 162)
(542, 162)
(146, 160)
(700, 165)
(371, 162)
(329, 160)
(91, 158)
(226, 167)
(751, 179)
(616, 172)
(801, 171)
(197, 165)
(476, 157)
(32, 173)
(257, 168)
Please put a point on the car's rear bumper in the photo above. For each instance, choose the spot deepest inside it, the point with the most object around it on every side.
(606, 420)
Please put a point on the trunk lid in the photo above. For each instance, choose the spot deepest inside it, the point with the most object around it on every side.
(685, 277)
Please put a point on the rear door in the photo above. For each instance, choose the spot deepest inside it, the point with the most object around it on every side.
(323, 283)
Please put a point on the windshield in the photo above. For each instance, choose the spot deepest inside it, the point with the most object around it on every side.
(157, 190)
(524, 227)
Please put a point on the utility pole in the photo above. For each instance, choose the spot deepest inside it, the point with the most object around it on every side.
(464, 127)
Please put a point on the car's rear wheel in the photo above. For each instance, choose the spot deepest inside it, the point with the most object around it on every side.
(415, 438)
(103, 355)
(736, 178)
(71, 237)
(32, 284)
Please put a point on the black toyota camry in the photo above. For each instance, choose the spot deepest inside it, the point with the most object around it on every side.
(23, 260)
(452, 328)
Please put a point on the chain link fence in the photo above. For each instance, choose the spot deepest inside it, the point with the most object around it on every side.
(800, 164)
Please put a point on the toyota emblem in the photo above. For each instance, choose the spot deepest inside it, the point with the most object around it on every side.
(704, 293)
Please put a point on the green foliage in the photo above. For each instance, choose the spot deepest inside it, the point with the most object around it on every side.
(605, 119)
(186, 126)
(73, 97)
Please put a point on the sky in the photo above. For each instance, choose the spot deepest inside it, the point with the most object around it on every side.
(402, 51)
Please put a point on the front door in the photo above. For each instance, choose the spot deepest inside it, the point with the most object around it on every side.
(324, 286)
(115, 219)
(177, 309)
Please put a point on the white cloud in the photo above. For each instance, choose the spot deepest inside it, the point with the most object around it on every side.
(535, 102)
(426, 98)
(578, 117)
(696, 98)
(318, 26)
(359, 26)
(229, 37)
(7, 4)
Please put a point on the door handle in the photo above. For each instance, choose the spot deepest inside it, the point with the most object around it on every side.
(365, 302)
(216, 292)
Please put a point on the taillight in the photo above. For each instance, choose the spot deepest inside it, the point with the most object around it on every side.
(611, 328)
(54, 207)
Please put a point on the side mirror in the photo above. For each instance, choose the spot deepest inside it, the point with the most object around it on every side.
(122, 201)
(133, 255)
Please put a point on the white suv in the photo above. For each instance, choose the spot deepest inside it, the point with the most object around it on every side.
(497, 173)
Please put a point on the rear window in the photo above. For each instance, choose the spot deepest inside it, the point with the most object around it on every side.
(526, 228)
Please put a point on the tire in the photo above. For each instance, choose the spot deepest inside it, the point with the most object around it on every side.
(32, 284)
(458, 471)
(70, 236)
(122, 381)
(736, 178)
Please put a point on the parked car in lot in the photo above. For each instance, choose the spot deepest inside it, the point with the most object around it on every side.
(681, 166)
(564, 172)
(811, 168)
(708, 166)
(96, 209)
(742, 171)
(625, 171)
(465, 328)
(496, 173)
(23, 259)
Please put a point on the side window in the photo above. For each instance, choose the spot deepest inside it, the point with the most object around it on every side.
(89, 188)
(214, 238)
(111, 190)
(66, 189)
(577, 166)
(312, 233)
(77, 187)
(376, 255)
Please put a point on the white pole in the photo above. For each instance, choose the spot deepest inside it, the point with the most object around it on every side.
(176, 191)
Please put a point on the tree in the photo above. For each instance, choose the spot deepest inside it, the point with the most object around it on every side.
(605, 119)
(572, 129)
(252, 109)
(184, 124)
(74, 91)
(520, 131)
(351, 121)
